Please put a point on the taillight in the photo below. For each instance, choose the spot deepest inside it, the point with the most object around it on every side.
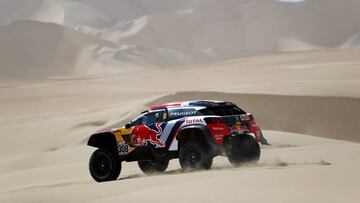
(245, 117)
(252, 124)
(251, 117)
(214, 120)
(256, 130)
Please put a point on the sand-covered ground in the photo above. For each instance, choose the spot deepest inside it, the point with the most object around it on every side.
(71, 67)
(45, 124)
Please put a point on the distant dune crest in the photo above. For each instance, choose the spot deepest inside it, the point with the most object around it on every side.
(33, 49)
(146, 34)
(49, 12)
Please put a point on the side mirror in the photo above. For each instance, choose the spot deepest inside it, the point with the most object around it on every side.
(128, 125)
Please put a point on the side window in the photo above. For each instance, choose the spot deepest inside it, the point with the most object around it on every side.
(158, 117)
(144, 120)
(152, 118)
(137, 121)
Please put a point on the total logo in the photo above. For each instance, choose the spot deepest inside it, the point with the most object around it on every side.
(194, 120)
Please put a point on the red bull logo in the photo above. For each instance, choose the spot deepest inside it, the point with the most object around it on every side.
(237, 129)
(143, 134)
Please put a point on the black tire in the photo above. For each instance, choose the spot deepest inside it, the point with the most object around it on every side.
(194, 155)
(243, 149)
(104, 165)
(150, 167)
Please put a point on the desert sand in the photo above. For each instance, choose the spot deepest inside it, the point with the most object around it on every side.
(45, 125)
(69, 68)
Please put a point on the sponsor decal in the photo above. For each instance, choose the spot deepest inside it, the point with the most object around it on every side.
(218, 131)
(218, 128)
(238, 129)
(182, 113)
(143, 134)
(194, 120)
(219, 136)
(123, 148)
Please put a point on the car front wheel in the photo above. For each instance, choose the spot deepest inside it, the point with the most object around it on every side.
(104, 165)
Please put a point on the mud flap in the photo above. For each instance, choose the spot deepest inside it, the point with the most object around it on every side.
(260, 138)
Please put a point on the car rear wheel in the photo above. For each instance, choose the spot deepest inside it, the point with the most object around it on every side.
(243, 149)
(104, 165)
(152, 167)
(194, 155)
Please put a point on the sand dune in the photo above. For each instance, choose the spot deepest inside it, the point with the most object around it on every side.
(51, 162)
(49, 12)
(34, 49)
(213, 35)
(354, 41)
(70, 13)
(158, 34)
(288, 44)
(45, 124)
(331, 117)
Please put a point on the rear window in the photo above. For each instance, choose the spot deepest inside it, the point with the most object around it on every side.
(222, 111)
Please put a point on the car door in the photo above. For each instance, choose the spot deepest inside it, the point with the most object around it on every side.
(148, 132)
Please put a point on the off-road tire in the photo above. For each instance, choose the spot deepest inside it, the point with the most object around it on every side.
(104, 165)
(194, 155)
(243, 149)
(150, 167)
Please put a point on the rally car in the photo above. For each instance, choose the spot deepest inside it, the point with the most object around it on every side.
(192, 131)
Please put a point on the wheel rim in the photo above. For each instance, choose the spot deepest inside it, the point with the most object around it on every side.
(193, 156)
(101, 165)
